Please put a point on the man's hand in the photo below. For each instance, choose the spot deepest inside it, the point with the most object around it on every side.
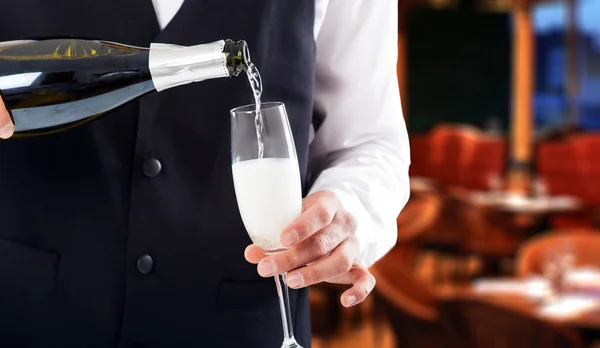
(322, 239)
(6, 126)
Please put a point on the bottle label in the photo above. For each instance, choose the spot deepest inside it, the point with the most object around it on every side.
(172, 65)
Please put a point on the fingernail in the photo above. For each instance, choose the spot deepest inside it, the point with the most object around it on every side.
(295, 280)
(7, 131)
(350, 300)
(266, 268)
(289, 238)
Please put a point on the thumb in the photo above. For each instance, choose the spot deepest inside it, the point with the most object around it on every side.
(6, 126)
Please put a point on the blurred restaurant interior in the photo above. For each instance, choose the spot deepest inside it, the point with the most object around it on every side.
(499, 244)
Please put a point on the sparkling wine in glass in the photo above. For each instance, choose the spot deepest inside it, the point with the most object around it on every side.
(267, 185)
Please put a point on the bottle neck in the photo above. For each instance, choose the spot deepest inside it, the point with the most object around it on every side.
(173, 65)
(238, 56)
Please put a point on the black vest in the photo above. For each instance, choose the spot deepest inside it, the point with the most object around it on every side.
(125, 232)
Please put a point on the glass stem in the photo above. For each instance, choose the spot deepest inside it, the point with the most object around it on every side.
(284, 305)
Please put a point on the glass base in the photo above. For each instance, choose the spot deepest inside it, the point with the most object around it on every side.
(291, 343)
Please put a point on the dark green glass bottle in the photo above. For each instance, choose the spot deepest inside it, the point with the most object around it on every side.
(54, 84)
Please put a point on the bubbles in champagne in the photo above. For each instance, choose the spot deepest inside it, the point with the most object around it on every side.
(256, 85)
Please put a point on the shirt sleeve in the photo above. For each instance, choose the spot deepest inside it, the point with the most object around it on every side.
(360, 148)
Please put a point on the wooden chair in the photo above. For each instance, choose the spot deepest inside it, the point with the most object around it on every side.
(399, 295)
(464, 230)
(483, 324)
(560, 165)
(420, 154)
(489, 159)
(451, 153)
(409, 305)
(419, 217)
(586, 153)
(443, 240)
(583, 243)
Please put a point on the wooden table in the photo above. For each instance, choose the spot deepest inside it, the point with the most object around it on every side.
(519, 204)
(422, 185)
(588, 322)
(506, 220)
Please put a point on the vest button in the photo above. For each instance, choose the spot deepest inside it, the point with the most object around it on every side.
(145, 264)
(151, 167)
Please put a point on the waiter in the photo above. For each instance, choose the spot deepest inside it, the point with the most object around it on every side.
(125, 232)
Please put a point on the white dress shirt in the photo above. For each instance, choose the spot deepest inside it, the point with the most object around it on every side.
(361, 150)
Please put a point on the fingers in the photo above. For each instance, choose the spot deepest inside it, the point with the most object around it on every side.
(6, 126)
(339, 262)
(363, 283)
(253, 254)
(310, 250)
(320, 211)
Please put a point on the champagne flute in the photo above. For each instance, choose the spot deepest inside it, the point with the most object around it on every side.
(267, 185)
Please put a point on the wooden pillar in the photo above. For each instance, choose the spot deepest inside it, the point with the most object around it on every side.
(572, 82)
(403, 8)
(522, 127)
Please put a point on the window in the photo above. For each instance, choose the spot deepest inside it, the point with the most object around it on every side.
(551, 99)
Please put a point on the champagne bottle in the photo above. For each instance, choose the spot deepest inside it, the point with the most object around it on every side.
(53, 84)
